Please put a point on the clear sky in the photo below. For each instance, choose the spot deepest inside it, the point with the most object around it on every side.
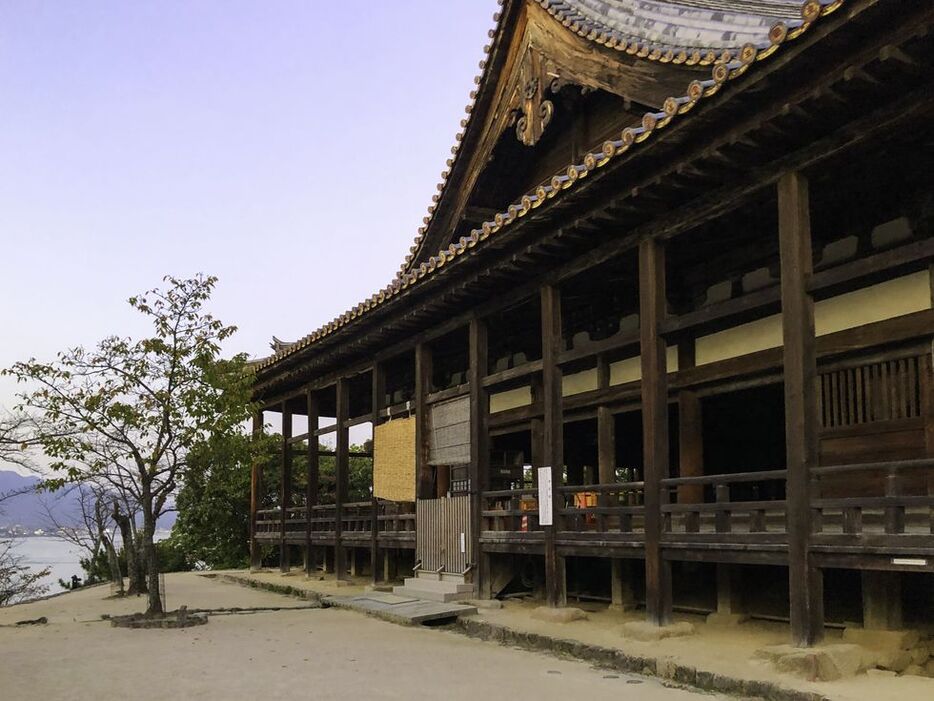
(289, 147)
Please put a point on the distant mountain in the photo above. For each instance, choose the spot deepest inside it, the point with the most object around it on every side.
(29, 509)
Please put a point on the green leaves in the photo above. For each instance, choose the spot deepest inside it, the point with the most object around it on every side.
(130, 410)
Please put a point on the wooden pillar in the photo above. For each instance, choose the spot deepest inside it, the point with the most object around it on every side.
(537, 429)
(606, 429)
(312, 480)
(553, 435)
(479, 468)
(690, 432)
(882, 600)
(379, 392)
(801, 419)
(341, 468)
(606, 446)
(652, 306)
(423, 484)
(285, 500)
(256, 487)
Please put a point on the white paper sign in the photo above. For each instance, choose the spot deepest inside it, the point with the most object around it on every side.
(545, 501)
(463, 542)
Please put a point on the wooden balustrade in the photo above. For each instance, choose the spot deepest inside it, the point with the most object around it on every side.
(268, 523)
(601, 508)
(897, 511)
(723, 515)
(395, 520)
(513, 510)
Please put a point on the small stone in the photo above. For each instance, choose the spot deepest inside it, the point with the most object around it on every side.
(665, 667)
(558, 615)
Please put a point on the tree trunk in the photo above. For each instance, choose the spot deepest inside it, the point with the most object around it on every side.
(115, 575)
(135, 568)
(154, 603)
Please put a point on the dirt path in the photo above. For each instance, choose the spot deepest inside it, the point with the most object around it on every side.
(319, 654)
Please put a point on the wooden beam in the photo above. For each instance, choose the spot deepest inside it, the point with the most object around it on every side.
(423, 481)
(256, 484)
(479, 468)
(285, 493)
(801, 418)
(553, 435)
(312, 479)
(341, 469)
(652, 305)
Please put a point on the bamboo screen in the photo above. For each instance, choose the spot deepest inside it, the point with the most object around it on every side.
(394, 460)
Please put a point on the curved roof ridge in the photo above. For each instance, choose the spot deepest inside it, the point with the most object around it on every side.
(723, 71)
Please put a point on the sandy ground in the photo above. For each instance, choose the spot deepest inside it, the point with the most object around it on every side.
(727, 651)
(302, 653)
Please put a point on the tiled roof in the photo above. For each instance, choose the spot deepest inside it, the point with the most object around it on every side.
(727, 67)
(687, 24)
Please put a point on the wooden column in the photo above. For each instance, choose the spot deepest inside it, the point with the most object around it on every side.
(690, 432)
(341, 468)
(423, 481)
(652, 307)
(537, 429)
(285, 499)
(606, 446)
(256, 486)
(479, 468)
(553, 435)
(378, 378)
(311, 485)
(801, 419)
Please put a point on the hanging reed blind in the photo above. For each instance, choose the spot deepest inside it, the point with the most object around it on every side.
(394, 460)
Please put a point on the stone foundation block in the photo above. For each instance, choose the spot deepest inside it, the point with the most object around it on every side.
(726, 619)
(558, 615)
(648, 632)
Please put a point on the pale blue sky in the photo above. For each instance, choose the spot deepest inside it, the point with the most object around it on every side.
(289, 147)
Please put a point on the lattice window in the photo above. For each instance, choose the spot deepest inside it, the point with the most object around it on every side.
(884, 391)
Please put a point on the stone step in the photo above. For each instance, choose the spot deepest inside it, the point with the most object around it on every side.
(435, 585)
(416, 592)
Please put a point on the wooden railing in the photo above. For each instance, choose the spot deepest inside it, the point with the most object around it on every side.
(323, 520)
(395, 521)
(357, 520)
(900, 509)
(601, 508)
(514, 510)
(268, 523)
(723, 515)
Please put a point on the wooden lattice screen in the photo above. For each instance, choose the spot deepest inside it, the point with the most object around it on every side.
(882, 391)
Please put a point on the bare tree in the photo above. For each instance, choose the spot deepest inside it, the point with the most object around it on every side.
(91, 527)
(17, 581)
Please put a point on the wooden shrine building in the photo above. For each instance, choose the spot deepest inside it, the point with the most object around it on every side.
(680, 256)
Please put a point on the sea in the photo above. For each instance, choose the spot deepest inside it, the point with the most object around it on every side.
(61, 557)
